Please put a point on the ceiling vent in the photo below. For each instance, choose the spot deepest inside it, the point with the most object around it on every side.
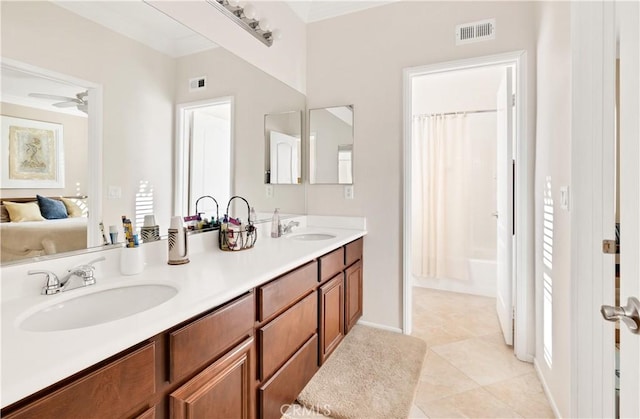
(198, 83)
(482, 30)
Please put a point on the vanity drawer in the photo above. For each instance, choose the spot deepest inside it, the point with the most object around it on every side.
(353, 252)
(282, 337)
(112, 391)
(331, 264)
(201, 341)
(278, 294)
(288, 382)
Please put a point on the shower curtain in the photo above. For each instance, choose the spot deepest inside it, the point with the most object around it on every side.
(440, 219)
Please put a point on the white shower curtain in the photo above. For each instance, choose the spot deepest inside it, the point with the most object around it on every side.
(440, 236)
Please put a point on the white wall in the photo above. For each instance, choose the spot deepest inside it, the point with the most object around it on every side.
(74, 137)
(284, 60)
(138, 95)
(553, 170)
(358, 59)
(256, 94)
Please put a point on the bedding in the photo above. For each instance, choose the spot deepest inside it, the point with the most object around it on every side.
(20, 240)
(52, 209)
(21, 212)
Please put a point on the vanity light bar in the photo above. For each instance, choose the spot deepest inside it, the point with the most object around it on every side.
(239, 15)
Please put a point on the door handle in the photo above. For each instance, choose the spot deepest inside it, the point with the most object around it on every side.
(494, 214)
(629, 314)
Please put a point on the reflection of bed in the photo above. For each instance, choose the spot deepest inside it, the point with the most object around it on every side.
(38, 238)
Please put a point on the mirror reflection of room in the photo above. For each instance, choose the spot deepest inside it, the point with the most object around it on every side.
(331, 145)
(283, 148)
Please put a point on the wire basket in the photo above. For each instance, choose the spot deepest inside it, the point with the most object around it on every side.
(237, 237)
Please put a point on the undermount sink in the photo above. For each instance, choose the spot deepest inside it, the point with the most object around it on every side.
(97, 307)
(312, 236)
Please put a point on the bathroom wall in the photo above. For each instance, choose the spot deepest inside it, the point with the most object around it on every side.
(74, 137)
(255, 94)
(358, 59)
(553, 170)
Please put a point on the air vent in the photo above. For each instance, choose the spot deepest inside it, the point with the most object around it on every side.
(482, 30)
(198, 83)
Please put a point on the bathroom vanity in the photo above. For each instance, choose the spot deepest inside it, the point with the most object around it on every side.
(242, 348)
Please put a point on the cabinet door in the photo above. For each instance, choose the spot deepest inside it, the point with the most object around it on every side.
(353, 295)
(331, 315)
(222, 390)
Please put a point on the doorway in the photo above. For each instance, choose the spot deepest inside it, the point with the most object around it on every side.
(204, 155)
(464, 149)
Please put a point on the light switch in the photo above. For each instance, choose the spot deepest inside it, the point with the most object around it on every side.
(114, 192)
(348, 192)
(564, 198)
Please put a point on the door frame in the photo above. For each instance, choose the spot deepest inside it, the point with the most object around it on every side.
(181, 174)
(524, 336)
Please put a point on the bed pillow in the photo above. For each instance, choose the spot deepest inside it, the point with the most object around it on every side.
(51, 209)
(75, 206)
(4, 214)
(18, 212)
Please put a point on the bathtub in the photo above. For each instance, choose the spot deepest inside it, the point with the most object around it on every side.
(482, 279)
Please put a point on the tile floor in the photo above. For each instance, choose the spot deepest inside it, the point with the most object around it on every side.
(468, 370)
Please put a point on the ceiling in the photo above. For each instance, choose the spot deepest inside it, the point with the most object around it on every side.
(314, 10)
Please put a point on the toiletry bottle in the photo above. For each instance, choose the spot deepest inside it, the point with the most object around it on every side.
(275, 224)
(252, 216)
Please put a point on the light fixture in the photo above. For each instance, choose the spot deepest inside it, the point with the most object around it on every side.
(248, 18)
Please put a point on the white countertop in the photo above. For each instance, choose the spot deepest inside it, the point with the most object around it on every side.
(32, 361)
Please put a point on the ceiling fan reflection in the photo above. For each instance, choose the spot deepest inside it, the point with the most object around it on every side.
(81, 101)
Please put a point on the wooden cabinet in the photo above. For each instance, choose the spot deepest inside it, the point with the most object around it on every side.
(120, 389)
(331, 298)
(352, 295)
(200, 341)
(252, 355)
(225, 389)
(283, 388)
(283, 336)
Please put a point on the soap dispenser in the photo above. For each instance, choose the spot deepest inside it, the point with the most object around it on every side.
(275, 224)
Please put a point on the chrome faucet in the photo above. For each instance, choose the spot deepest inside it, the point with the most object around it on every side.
(289, 227)
(55, 285)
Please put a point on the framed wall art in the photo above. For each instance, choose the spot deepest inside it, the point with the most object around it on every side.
(32, 154)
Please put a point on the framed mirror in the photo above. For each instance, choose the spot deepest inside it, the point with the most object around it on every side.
(283, 148)
(331, 145)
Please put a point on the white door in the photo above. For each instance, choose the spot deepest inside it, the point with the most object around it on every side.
(628, 14)
(284, 158)
(504, 179)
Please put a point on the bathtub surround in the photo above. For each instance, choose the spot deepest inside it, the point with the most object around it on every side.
(373, 373)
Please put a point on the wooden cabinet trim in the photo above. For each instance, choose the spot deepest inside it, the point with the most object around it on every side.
(280, 293)
(115, 390)
(353, 295)
(331, 314)
(194, 397)
(283, 336)
(201, 341)
(353, 252)
(331, 264)
(288, 382)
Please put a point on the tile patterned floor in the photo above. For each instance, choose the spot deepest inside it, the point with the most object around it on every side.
(468, 370)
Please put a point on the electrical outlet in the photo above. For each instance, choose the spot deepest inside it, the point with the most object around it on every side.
(114, 192)
(348, 192)
(269, 191)
(565, 199)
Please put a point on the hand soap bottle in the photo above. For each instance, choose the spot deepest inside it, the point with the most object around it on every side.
(275, 224)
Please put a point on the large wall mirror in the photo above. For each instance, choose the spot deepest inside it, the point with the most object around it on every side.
(141, 62)
(331, 145)
(283, 148)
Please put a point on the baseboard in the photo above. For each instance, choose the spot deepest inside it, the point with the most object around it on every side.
(380, 326)
(456, 285)
(545, 387)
